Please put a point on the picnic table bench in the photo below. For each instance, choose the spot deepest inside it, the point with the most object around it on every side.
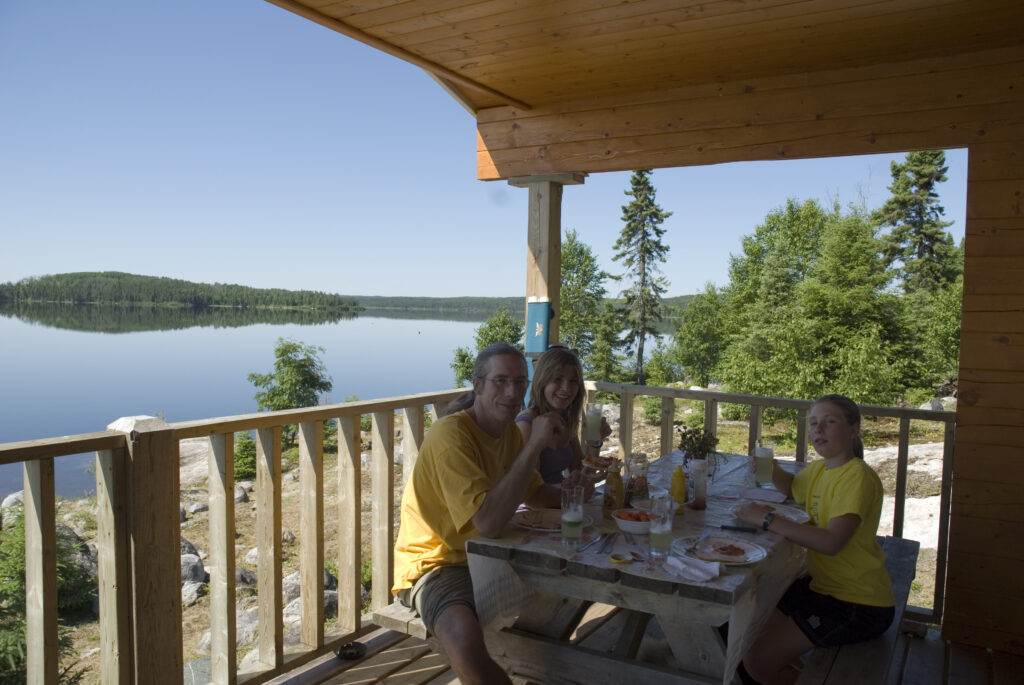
(868, 662)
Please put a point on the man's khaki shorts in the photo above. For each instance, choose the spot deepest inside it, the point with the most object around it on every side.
(438, 589)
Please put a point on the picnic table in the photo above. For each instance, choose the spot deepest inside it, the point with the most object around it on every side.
(530, 589)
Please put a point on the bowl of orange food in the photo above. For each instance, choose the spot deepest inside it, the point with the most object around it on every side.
(634, 521)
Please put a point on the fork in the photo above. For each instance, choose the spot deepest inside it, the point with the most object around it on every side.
(693, 548)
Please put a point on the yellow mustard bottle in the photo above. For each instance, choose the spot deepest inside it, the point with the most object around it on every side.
(678, 487)
(613, 494)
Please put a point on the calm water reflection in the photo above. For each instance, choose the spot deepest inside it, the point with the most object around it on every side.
(60, 382)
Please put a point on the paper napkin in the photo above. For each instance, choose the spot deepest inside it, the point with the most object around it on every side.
(693, 569)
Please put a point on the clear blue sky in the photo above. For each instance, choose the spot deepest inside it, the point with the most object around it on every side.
(234, 142)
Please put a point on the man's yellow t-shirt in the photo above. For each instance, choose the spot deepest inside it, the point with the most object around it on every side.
(857, 573)
(458, 464)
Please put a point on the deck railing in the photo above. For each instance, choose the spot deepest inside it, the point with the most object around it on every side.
(138, 531)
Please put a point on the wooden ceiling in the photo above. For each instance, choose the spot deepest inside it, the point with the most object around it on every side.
(535, 53)
(583, 86)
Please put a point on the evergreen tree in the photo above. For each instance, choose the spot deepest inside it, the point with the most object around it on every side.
(700, 337)
(640, 249)
(604, 364)
(499, 327)
(582, 294)
(918, 241)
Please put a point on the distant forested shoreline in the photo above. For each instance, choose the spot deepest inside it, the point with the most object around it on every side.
(123, 289)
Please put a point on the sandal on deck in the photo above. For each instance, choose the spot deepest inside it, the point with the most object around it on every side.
(351, 650)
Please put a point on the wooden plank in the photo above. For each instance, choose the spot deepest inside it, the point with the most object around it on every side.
(902, 455)
(711, 416)
(421, 670)
(270, 642)
(112, 566)
(553, 662)
(349, 516)
(1007, 668)
(753, 427)
(30, 450)
(383, 514)
(41, 651)
(988, 500)
(698, 648)
(968, 570)
(967, 665)
(595, 620)
(223, 650)
(926, 660)
(402, 619)
(801, 435)
(311, 532)
(982, 536)
(551, 615)
(377, 667)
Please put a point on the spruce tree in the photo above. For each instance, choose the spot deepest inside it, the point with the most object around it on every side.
(582, 293)
(927, 257)
(640, 250)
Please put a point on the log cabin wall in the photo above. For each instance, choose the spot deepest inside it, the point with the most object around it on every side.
(973, 100)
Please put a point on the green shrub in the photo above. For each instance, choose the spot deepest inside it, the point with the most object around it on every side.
(75, 590)
(652, 410)
(245, 456)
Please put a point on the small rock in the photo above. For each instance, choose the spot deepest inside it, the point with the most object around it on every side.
(293, 475)
(241, 494)
(288, 537)
(184, 518)
(244, 576)
(191, 591)
(247, 485)
(932, 405)
(187, 547)
(192, 568)
(252, 556)
(196, 507)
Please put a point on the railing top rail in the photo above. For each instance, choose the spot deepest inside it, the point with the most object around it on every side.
(31, 450)
(764, 401)
(229, 424)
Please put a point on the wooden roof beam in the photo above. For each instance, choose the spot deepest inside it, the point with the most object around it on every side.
(432, 68)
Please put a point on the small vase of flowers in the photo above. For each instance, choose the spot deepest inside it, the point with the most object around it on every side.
(698, 444)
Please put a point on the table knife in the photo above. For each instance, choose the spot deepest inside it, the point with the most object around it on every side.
(740, 529)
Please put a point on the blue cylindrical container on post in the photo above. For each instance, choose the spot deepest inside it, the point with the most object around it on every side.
(538, 321)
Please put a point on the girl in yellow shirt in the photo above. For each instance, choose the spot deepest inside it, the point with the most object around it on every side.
(847, 596)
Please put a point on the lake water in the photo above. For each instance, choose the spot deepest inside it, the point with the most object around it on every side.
(57, 381)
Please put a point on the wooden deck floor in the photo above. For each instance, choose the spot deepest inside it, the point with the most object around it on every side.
(397, 659)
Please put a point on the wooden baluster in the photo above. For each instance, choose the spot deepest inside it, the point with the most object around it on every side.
(382, 535)
(711, 416)
(625, 425)
(902, 461)
(223, 650)
(41, 658)
(668, 415)
(412, 439)
(801, 435)
(350, 501)
(112, 566)
(268, 536)
(311, 531)
(754, 432)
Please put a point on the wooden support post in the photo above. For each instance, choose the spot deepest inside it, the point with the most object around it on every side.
(544, 239)
(902, 460)
(711, 416)
(754, 432)
(154, 502)
(801, 435)
(625, 425)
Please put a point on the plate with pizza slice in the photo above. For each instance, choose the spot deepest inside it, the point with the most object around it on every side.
(544, 520)
(721, 548)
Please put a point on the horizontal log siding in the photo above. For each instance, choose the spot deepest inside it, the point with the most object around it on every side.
(987, 512)
(929, 103)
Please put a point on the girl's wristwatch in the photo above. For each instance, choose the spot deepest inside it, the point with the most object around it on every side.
(768, 518)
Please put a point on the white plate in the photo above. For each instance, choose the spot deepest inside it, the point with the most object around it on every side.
(708, 548)
(792, 513)
(547, 520)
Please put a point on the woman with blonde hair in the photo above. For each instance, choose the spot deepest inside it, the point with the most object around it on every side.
(558, 387)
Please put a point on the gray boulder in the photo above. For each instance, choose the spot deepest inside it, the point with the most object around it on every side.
(191, 591)
(192, 569)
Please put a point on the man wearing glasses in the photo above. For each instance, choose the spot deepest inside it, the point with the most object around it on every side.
(473, 471)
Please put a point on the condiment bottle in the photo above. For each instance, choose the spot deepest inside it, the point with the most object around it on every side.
(636, 485)
(613, 494)
(678, 488)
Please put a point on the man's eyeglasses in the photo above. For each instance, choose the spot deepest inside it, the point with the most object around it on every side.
(504, 382)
